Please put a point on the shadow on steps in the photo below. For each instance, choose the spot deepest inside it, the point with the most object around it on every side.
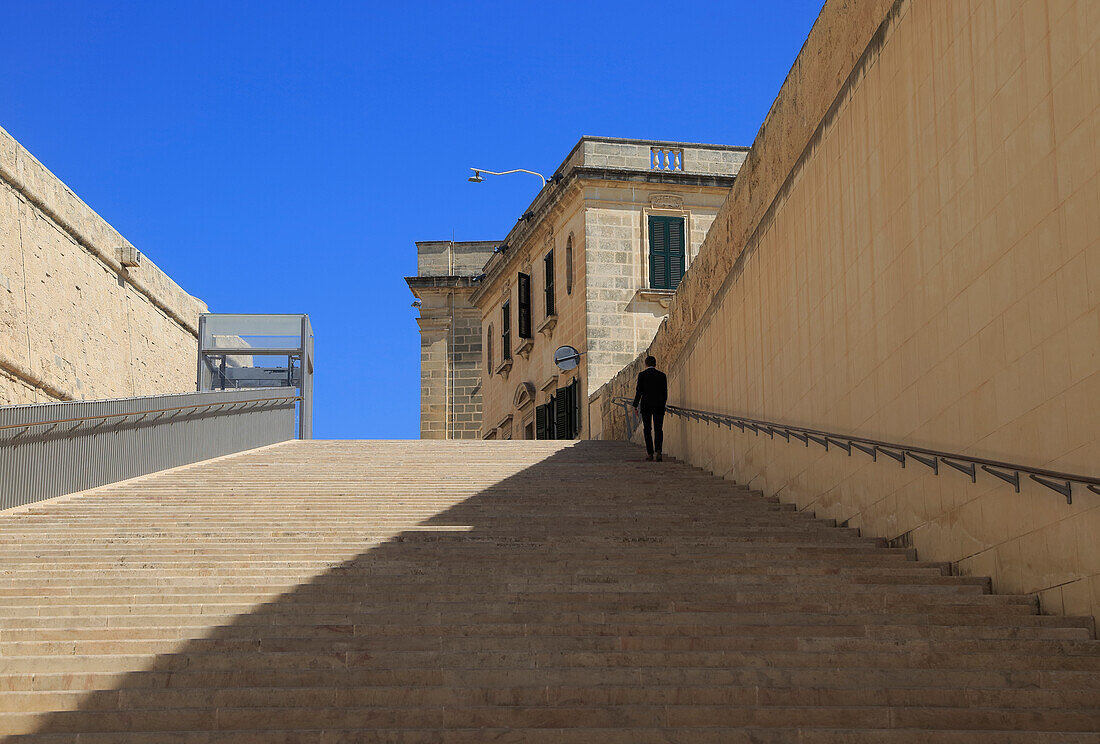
(561, 594)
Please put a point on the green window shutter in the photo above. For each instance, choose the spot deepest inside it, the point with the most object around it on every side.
(666, 252)
(675, 251)
(575, 408)
(561, 413)
(551, 421)
(540, 422)
(506, 331)
(658, 253)
(523, 321)
(549, 264)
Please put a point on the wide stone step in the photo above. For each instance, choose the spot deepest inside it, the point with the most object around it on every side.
(182, 630)
(539, 659)
(1083, 682)
(510, 593)
(556, 717)
(139, 698)
(369, 584)
(275, 643)
(740, 735)
(942, 618)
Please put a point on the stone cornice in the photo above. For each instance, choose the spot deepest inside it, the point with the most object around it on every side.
(434, 323)
(441, 282)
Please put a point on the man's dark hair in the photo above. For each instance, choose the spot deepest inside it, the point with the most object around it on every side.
(650, 361)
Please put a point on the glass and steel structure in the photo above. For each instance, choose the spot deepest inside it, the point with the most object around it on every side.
(258, 351)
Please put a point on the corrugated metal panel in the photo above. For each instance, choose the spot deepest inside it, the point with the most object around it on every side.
(51, 449)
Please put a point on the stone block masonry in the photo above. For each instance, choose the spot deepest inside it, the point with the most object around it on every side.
(74, 322)
(450, 337)
(450, 365)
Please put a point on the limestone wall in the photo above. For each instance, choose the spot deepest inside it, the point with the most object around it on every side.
(450, 365)
(450, 336)
(622, 314)
(532, 368)
(74, 323)
(450, 258)
(911, 252)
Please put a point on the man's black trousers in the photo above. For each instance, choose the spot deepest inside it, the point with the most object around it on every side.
(653, 425)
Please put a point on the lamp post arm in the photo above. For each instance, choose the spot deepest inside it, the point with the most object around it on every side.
(504, 173)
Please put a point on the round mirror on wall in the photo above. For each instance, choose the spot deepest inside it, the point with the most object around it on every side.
(567, 358)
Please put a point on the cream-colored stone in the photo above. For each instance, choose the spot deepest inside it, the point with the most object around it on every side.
(75, 323)
(451, 353)
(910, 253)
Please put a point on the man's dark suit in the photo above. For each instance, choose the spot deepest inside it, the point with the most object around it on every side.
(650, 398)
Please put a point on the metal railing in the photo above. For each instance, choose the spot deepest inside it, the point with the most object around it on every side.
(1008, 472)
(51, 449)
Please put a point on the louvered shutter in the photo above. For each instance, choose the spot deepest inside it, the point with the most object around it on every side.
(540, 422)
(506, 331)
(523, 321)
(575, 408)
(549, 263)
(569, 266)
(675, 251)
(561, 413)
(666, 252)
(658, 253)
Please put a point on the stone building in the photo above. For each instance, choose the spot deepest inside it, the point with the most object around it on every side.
(592, 263)
(83, 315)
(450, 336)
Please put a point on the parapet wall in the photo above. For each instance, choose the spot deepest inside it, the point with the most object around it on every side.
(911, 253)
(75, 323)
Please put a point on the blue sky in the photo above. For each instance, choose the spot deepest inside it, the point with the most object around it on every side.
(283, 156)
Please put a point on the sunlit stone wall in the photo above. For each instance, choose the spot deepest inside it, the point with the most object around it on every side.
(911, 253)
(74, 322)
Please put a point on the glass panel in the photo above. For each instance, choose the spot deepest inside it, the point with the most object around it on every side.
(224, 331)
(257, 351)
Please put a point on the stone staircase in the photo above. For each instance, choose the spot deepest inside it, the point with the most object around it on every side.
(503, 592)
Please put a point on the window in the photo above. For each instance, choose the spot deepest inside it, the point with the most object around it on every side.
(523, 320)
(569, 265)
(560, 417)
(506, 331)
(666, 252)
(548, 263)
(542, 430)
(489, 350)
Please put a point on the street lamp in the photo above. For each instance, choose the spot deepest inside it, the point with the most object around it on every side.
(476, 178)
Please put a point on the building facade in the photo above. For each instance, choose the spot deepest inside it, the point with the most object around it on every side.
(450, 336)
(591, 264)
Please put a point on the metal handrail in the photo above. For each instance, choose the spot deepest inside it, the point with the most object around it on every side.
(281, 399)
(1008, 472)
